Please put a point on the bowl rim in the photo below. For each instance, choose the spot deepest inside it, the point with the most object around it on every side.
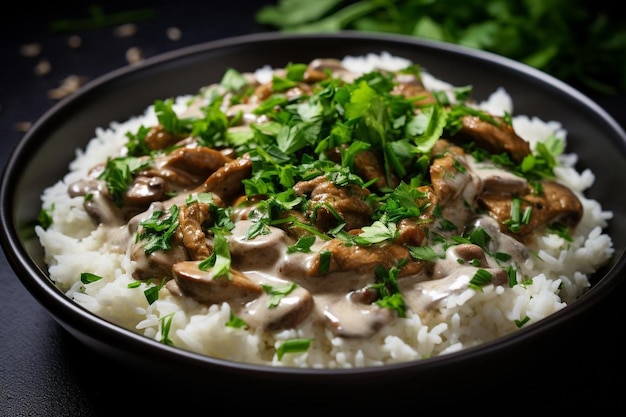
(83, 324)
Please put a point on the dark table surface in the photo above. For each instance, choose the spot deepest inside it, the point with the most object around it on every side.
(44, 371)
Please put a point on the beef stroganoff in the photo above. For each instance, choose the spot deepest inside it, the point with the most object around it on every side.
(329, 214)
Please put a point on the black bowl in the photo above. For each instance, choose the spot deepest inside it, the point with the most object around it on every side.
(42, 158)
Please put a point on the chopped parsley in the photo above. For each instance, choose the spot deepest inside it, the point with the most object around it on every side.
(166, 323)
(481, 278)
(44, 218)
(292, 346)
(520, 323)
(219, 261)
(277, 293)
(387, 287)
(118, 175)
(88, 277)
(152, 292)
(157, 230)
(236, 322)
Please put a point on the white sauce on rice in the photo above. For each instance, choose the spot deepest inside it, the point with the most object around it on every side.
(444, 316)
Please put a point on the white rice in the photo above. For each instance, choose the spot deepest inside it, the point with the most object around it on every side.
(72, 245)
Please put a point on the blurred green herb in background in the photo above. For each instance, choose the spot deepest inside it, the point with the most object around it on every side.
(98, 19)
(581, 42)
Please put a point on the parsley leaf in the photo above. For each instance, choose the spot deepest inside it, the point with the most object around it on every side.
(277, 293)
(158, 229)
(219, 261)
(292, 346)
(118, 175)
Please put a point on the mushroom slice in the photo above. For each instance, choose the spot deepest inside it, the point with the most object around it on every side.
(356, 320)
(288, 313)
(204, 287)
(143, 191)
(155, 265)
(499, 181)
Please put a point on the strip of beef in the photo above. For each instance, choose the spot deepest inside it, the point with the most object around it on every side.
(349, 202)
(361, 258)
(556, 204)
(495, 138)
(368, 166)
(191, 219)
(226, 181)
(449, 174)
(159, 138)
(187, 167)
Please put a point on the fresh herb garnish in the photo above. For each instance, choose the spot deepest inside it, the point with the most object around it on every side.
(581, 44)
(518, 217)
(292, 346)
(152, 292)
(219, 261)
(236, 322)
(387, 287)
(118, 175)
(277, 293)
(157, 230)
(302, 245)
(44, 218)
(88, 277)
(166, 323)
(481, 278)
(520, 323)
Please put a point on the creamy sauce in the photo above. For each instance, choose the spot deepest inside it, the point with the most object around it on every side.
(345, 301)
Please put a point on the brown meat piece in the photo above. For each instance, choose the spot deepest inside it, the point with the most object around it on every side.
(368, 166)
(191, 219)
(187, 167)
(197, 160)
(349, 202)
(203, 287)
(361, 258)
(494, 138)
(156, 265)
(226, 182)
(292, 310)
(557, 203)
(159, 138)
(411, 232)
(448, 172)
(290, 228)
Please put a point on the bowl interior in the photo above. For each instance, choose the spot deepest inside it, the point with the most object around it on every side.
(43, 156)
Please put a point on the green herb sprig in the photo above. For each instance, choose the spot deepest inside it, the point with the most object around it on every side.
(581, 42)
